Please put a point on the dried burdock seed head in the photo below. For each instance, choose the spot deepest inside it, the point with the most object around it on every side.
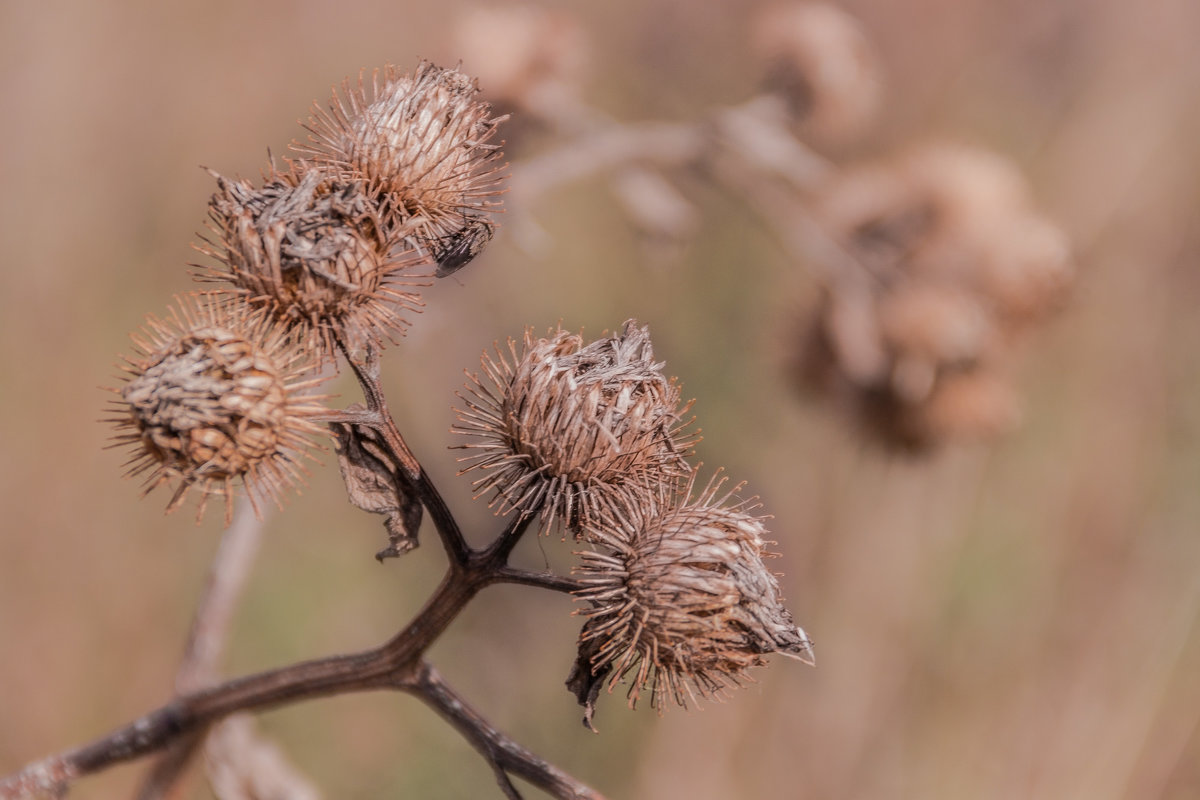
(972, 405)
(969, 405)
(524, 54)
(968, 186)
(313, 253)
(874, 211)
(936, 211)
(421, 142)
(955, 265)
(216, 392)
(985, 233)
(568, 430)
(937, 372)
(683, 603)
(1028, 270)
(928, 327)
(822, 64)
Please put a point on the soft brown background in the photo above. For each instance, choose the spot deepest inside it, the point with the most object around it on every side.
(1012, 621)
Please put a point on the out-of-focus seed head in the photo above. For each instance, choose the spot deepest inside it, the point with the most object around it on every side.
(680, 602)
(932, 211)
(420, 141)
(820, 61)
(1028, 271)
(976, 404)
(313, 252)
(216, 392)
(972, 404)
(930, 327)
(955, 265)
(967, 184)
(936, 371)
(568, 430)
(525, 55)
(875, 212)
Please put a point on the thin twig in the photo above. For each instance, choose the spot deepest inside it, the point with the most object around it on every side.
(227, 576)
(542, 580)
(503, 546)
(367, 372)
(506, 756)
(613, 146)
(457, 550)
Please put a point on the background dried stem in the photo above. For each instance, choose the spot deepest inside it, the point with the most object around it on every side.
(1020, 622)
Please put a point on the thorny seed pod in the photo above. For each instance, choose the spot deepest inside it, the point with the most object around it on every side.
(568, 430)
(314, 253)
(420, 141)
(214, 393)
(682, 603)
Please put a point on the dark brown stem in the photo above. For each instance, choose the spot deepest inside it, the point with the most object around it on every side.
(367, 372)
(451, 535)
(503, 546)
(542, 580)
(506, 756)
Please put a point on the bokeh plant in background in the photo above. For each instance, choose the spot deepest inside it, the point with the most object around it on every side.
(927, 267)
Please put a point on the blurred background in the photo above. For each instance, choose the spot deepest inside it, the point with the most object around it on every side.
(1009, 618)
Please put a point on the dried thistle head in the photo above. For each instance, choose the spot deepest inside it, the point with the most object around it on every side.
(421, 142)
(568, 430)
(216, 392)
(312, 252)
(680, 601)
(819, 60)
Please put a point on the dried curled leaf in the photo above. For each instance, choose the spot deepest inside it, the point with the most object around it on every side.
(585, 681)
(378, 484)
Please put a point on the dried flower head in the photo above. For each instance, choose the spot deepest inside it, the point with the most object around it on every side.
(822, 64)
(568, 430)
(420, 142)
(215, 393)
(681, 602)
(313, 252)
